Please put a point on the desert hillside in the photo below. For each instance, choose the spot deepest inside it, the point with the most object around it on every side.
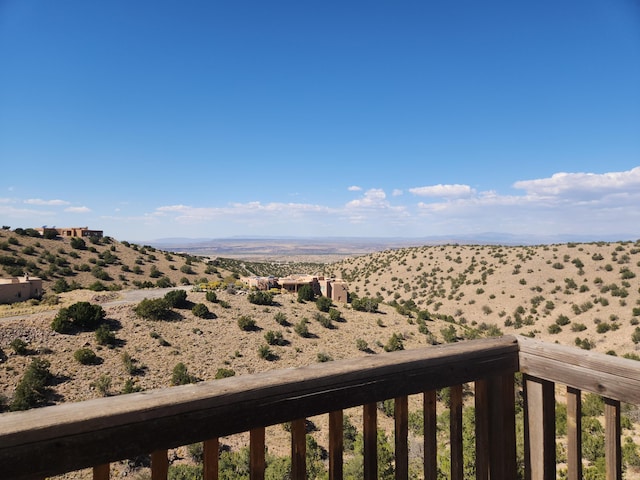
(586, 295)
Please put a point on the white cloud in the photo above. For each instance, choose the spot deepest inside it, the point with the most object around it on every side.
(77, 209)
(443, 191)
(581, 183)
(354, 188)
(372, 197)
(39, 201)
(396, 192)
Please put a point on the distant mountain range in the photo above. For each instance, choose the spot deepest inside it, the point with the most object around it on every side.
(247, 246)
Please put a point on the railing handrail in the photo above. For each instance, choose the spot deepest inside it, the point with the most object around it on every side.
(607, 375)
(71, 436)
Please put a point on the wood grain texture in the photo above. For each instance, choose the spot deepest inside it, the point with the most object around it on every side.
(574, 434)
(336, 444)
(72, 436)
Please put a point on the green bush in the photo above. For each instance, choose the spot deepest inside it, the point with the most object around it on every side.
(274, 338)
(79, 316)
(302, 328)
(365, 304)
(260, 297)
(200, 310)
(153, 309)
(78, 243)
(224, 373)
(85, 356)
(554, 328)
(177, 299)
(323, 303)
(281, 319)
(104, 336)
(265, 352)
(211, 296)
(362, 345)
(180, 375)
(394, 343)
(322, 357)
(305, 294)
(246, 323)
(32, 388)
(19, 346)
(323, 320)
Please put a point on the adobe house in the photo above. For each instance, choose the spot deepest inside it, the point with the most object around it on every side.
(72, 232)
(19, 289)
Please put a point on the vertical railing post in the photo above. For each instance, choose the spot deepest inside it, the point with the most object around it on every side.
(612, 432)
(574, 434)
(159, 465)
(336, 444)
(540, 429)
(101, 472)
(256, 454)
(401, 418)
(482, 429)
(430, 435)
(455, 432)
(210, 458)
(299, 449)
(370, 434)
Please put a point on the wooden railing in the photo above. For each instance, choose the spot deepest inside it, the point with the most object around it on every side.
(67, 437)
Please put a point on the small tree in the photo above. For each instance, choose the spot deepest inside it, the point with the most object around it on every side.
(200, 310)
(211, 296)
(246, 323)
(32, 388)
(153, 309)
(104, 336)
(394, 344)
(323, 303)
(305, 293)
(177, 299)
(85, 356)
(19, 346)
(260, 297)
(180, 375)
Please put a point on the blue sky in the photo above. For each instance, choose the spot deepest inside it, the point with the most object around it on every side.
(209, 119)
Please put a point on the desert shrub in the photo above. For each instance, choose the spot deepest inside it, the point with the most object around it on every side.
(273, 337)
(265, 352)
(365, 304)
(78, 243)
(100, 273)
(164, 282)
(558, 266)
(281, 319)
(177, 299)
(323, 320)
(323, 303)
(563, 320)
(224, 373)
(635, 336)
(211, 296)
(104, 336)
(305, 293)
(449, 334)
(187, 269)
(19, 346)
(246, 323)
(80, 315)
(32, 388)
(85, 356)
(102, 384)
(260, 297)
(322, 357)
(60, 286)
(603, 327)
(200, 310)
(362, 345)
(302, 328)
(578, 327)
(153, 309)
(334, 315)
(180, 375)
(554, 328)
(394, 343)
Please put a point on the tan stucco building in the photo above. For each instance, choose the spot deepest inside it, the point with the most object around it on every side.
(71, 231)
(19, 289)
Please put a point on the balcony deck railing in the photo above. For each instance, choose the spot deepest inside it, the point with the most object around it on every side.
(52, 440)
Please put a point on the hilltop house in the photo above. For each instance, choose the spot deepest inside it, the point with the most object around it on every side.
(335, 289)
(71, 231)
(19, 289)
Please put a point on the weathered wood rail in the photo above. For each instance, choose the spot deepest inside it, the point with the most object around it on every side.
(53, 440)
